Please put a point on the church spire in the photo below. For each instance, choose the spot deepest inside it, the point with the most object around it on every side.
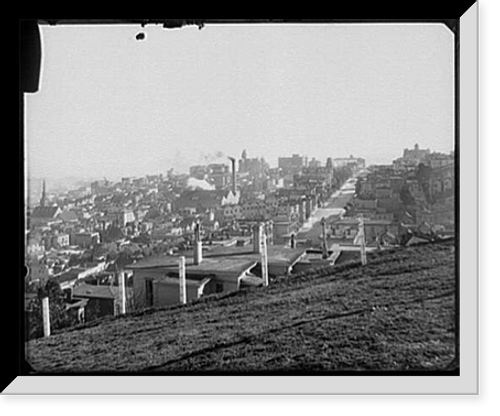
(43, 199)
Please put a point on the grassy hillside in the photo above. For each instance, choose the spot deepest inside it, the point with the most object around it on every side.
(396, 313)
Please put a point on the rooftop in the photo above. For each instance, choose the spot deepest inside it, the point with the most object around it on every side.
(99, 292)
(207, 266)
(355, 221)
(276, 254)
(220, 258)
(45, 212)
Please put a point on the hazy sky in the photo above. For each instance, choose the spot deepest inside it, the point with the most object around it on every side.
(112, 106)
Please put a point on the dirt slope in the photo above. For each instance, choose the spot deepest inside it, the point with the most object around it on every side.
(396, 313)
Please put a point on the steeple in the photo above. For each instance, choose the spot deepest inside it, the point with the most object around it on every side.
(43, 199)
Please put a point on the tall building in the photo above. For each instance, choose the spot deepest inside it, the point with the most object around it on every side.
(219, 175)
(253, 166)
(416, 154)
(329, 163)
(292, 164)
(411, 158)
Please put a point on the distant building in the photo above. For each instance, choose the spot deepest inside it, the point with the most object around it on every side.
(316, 178)
(374, 228)
(439, 160)
(37, 271)
(60, 240)
(292, 164)
(219, 175)
(253, 166)
(45, 215)
(411, 158)
(232, 211)
(356, 163)
(69, 216)
(85, 239)
(199, 172)
(100, 187)
(204, 200)
(442, 182)
(314, 163)
(416, 153)
(120, 217)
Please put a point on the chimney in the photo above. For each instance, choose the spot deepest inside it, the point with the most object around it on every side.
(257, 235)
(233, 174)
(198, 249)
(292, 241)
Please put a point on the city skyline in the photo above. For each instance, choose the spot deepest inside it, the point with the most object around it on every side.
(111, 106)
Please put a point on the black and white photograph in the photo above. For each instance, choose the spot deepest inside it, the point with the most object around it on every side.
(242, 198)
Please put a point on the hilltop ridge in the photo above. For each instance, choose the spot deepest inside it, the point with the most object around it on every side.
(395, 314)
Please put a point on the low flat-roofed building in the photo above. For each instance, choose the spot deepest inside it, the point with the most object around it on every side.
(222, 269)
(156, 279)
(280, 259)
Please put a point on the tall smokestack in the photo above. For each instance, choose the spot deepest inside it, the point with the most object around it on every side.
(233, 174)
(198, 249)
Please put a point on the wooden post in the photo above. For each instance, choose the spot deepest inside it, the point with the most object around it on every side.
(182, 280)
(263, 259)
(362, 241)
(198, 248)
(123, 293)
(257, 238)
(324, 247)
(46, 316)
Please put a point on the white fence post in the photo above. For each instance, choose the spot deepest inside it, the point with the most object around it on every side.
(363, 241)
(123, 293)
(263, 259)
(46, 316)
(182, 280)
